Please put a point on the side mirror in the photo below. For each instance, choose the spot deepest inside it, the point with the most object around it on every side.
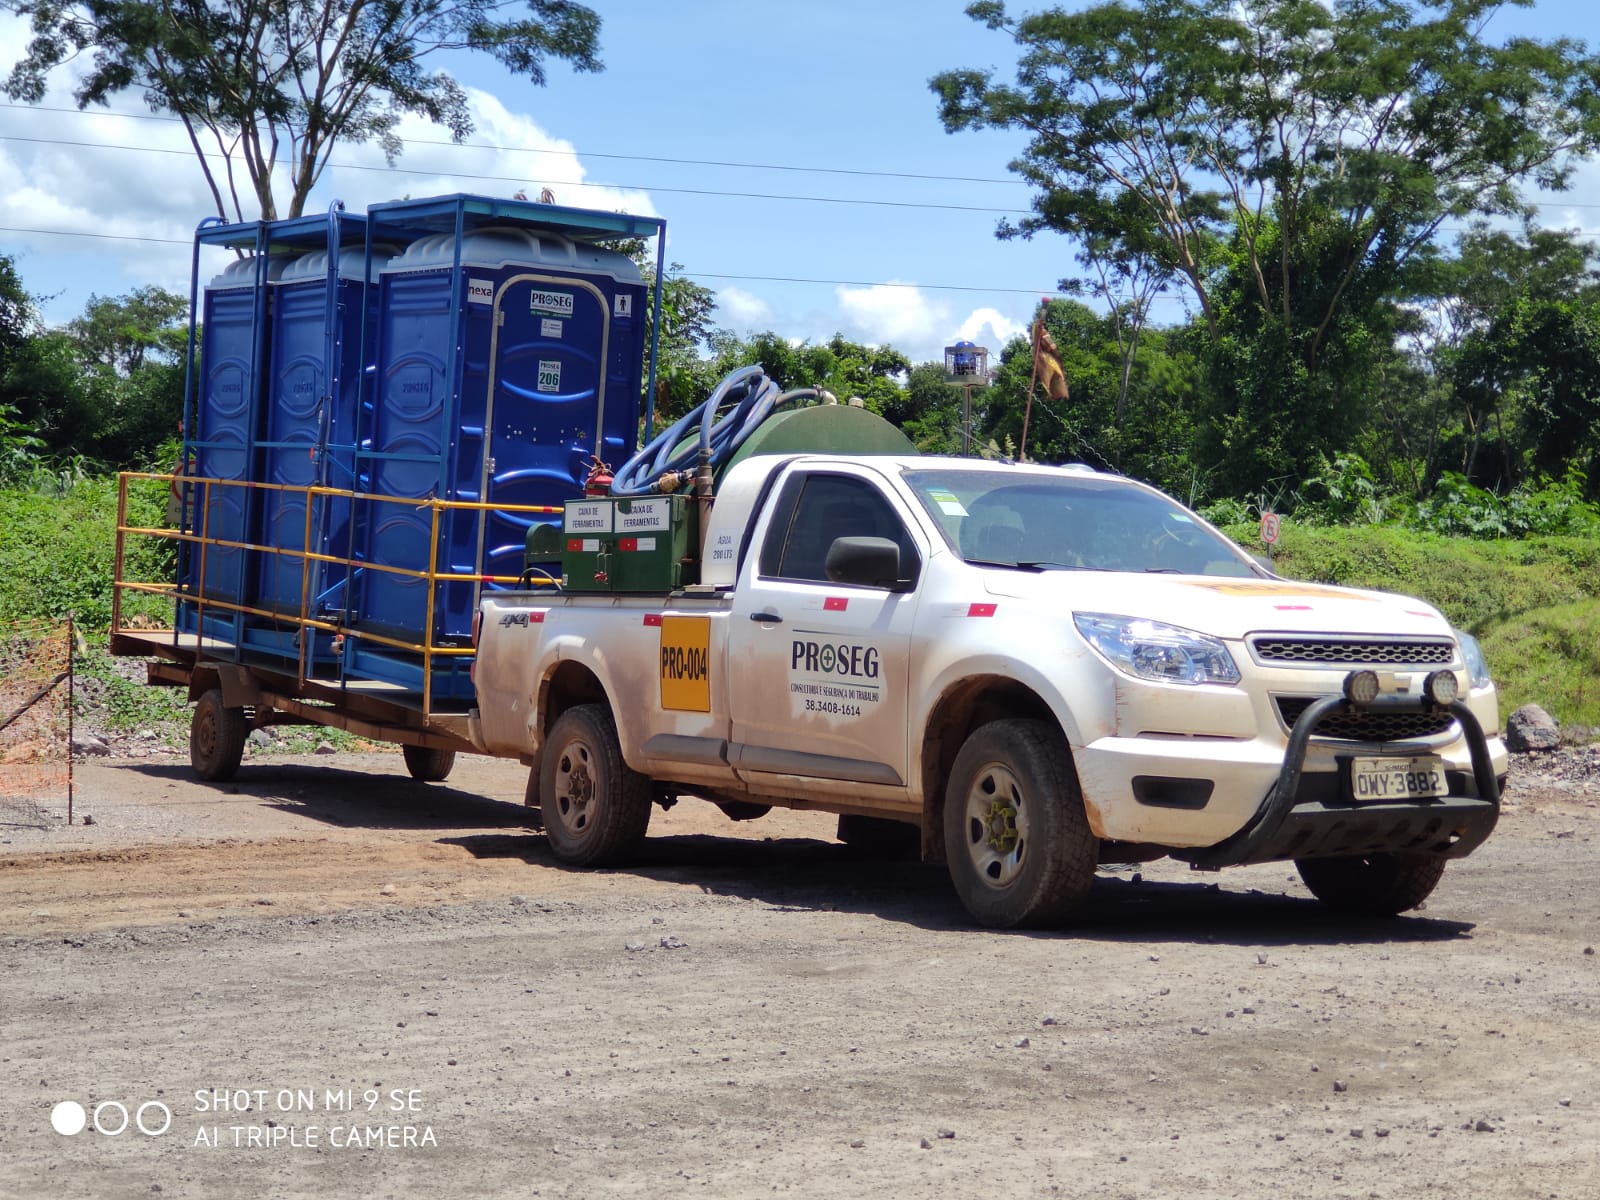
(865, 561)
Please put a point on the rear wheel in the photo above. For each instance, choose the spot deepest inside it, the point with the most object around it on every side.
(595, 807)
(1020, 849)
(216, 738)
(428, 764)
(1372, 885)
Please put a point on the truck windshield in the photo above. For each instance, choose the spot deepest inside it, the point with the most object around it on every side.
(1072, 522)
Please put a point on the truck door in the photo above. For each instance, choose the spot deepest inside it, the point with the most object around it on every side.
(818, 671)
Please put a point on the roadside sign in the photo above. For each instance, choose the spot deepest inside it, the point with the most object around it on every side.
(1269, 527)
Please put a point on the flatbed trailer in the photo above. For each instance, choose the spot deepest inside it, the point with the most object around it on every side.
(237, 687)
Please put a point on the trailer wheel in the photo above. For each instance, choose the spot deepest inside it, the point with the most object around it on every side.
(1372, 885)
(427, 764)
(216, 738)
(595, 807)
(1020, 849)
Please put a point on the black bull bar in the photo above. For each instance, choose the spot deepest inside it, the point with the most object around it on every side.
(1300, 821)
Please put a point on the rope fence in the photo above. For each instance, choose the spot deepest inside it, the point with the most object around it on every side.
(36, 693)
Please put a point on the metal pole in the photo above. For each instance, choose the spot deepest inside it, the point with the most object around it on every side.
(71, 642)
(966, 420)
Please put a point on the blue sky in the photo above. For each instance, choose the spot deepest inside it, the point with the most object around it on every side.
(828, 86)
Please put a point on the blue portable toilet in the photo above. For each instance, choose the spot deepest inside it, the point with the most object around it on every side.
(221, 437)
(508, 353)
(320, 303)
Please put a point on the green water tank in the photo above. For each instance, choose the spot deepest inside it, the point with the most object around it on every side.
(824, 429)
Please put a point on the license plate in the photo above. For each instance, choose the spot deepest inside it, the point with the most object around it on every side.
(1397, 778)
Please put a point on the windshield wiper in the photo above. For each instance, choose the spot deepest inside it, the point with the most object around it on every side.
(1031, 565)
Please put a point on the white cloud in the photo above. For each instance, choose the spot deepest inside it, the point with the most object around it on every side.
(506, 153)
(906, 318)
(992, 328)
(917, 324)
(742, 311)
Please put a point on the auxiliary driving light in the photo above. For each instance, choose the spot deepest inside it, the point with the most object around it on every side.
(1361, 687)
(1441, 687)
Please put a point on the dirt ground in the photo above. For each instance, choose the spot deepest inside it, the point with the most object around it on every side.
(326, 980)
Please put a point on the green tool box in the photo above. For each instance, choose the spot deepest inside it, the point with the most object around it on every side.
(643, 544)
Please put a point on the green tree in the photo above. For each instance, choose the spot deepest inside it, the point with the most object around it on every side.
(121, 333)
(46, 386)
(1491, 287)
(1152, 438)
(931, 412)
(1539, 362)
(277, 85)
(683, 371)
(17, 319)
(1287, 162)
(877, 374)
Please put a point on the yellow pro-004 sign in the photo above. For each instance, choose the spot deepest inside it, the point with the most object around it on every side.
(686, 664)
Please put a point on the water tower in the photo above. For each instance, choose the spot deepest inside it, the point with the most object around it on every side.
(967, 366)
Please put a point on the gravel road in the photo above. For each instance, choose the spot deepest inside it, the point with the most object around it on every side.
(327, 980)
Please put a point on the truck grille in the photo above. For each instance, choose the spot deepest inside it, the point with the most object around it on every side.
(1325, 651)
(1366, 725)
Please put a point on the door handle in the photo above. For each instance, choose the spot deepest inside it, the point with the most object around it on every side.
(772, 617)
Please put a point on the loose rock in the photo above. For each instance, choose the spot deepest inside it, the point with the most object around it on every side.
(1530, 729)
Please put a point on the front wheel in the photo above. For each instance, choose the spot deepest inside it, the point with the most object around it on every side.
(1020, 848)
(1372, 885)
(428, 764)
(596, 808)
(217, 735)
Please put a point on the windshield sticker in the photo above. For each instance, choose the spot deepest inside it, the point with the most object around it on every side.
(948, 504)
(832, 676)
(686, 664)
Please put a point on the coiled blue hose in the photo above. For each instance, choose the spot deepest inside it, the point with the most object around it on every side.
(748, 394)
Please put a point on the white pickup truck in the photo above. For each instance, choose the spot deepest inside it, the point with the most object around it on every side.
(1042, 669)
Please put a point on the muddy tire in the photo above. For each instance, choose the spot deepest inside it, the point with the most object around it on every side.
(428, 764)
(1018, 841)
(595, 807)
(216, 738)
(1372, 885)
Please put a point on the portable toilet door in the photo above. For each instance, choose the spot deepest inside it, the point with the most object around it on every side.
(310, 432)
(567, 363)
(222, 441)
(491, 376)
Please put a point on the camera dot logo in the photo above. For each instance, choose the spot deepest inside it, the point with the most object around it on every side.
(111, 1118)
(68, 1118)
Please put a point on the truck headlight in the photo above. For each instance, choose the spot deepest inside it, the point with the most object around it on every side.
(1151, 650)
(1472, 654)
